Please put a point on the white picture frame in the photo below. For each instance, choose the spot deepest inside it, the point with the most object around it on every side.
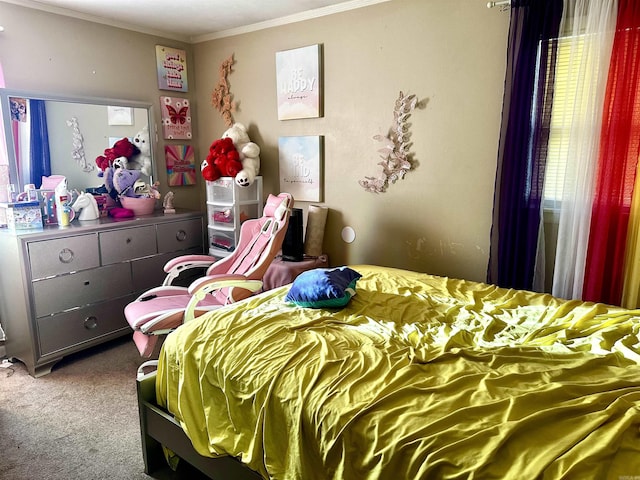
(299, 83)
(119, 115)
(301, 162)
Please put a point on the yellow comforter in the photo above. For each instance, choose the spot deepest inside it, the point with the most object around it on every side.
(418, 377)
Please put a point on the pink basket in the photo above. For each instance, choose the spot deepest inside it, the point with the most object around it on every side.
(139, 205)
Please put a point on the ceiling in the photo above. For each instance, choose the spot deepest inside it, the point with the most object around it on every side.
(194, 20)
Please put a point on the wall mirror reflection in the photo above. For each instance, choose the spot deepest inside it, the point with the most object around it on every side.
(49, 135)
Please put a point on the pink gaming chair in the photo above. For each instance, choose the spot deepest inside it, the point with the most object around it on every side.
(162, 309)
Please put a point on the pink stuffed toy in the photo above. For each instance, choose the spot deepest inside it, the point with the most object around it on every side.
(119, 212)
(223, 160)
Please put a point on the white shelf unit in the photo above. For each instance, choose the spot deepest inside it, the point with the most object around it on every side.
(228, 205)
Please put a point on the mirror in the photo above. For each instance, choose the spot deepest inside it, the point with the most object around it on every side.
(74, 131)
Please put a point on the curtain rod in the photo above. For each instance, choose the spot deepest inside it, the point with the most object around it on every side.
(504, 4)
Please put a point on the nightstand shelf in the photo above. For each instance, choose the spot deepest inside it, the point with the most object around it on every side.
(228, 205)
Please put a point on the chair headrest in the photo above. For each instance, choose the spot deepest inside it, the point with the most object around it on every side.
(277, 206)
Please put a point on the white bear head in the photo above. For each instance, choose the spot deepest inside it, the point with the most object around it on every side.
(248, 151)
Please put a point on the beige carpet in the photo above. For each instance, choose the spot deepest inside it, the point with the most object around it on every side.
(78, 422)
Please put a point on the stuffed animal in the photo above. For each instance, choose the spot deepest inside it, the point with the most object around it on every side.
(122, 148)
(223, 160)
(209, 171)
(119, 212)
(248, 151)
(124, 181)
(108, 182)
(118, 163)
(142, 161)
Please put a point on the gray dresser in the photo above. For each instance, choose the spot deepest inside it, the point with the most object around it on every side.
(64, 289)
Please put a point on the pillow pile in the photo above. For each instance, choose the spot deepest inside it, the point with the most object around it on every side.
(324, 288)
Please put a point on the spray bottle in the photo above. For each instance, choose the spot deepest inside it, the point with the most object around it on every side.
(63, 203)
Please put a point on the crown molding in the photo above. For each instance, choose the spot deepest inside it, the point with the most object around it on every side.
(298, 17)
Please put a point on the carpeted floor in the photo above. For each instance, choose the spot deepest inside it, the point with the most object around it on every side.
(78, 422)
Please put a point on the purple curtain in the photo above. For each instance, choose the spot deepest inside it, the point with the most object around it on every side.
(40, 161)
(524, 134)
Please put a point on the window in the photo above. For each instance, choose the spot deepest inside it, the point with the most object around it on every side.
(568, 110)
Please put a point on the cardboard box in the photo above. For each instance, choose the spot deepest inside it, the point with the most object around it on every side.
(23, 215)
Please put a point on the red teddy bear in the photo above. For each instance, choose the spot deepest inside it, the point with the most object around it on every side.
(122, 148)
(223, 160)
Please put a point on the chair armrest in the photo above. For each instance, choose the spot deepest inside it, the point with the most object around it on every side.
(206, 285)
(162, 291)
(177, 265)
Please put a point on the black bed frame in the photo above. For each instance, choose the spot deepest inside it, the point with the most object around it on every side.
(159, 428)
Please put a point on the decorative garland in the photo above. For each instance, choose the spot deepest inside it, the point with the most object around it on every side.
(78, 146)
(396, 158)
(221, 97)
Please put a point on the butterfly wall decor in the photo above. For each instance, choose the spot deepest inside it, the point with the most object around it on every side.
(176, 118)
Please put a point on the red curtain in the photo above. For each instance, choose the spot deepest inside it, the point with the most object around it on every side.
(618, 159)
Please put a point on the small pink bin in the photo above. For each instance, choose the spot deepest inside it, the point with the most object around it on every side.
(139, 205)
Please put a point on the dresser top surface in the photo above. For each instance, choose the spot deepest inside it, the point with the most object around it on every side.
(107, 223)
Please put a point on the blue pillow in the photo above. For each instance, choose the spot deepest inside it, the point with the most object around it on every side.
(324, 288)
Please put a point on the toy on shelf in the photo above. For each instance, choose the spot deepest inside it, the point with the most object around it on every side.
(224, 243)
(122, 148)
(223, 216)
(87, 206)
(142, 160)
(234, 155)
(223, 160)
(248, 151)
(167, 203)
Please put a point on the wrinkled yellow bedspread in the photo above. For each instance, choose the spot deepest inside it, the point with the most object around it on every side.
(418, 377)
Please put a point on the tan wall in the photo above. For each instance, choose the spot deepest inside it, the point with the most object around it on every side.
(450, 53)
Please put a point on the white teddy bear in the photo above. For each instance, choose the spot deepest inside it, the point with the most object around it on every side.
(142, 161)
(248, 151)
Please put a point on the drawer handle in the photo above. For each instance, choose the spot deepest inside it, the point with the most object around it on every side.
(181, 235)
(128, 240)
(90, 323)
(66, 255)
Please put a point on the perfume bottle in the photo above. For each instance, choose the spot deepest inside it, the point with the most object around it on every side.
(31, 192)
(12, 193)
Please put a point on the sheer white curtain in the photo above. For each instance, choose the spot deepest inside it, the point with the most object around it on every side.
(590, 25)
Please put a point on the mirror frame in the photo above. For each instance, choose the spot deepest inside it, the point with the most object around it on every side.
(6, 93)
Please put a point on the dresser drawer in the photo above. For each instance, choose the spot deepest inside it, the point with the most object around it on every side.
(63, 255)
(149, 272)
(127, 243)
(174, 236)
(61, 293)
(69, 329)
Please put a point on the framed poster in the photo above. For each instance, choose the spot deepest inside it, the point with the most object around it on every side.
(18, 109)
(299, 83)
(119, 115)
(181, 165)
(301, 167)
(176, 118)
(172, 69)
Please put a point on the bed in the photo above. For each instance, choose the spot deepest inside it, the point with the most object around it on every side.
(418, 376)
